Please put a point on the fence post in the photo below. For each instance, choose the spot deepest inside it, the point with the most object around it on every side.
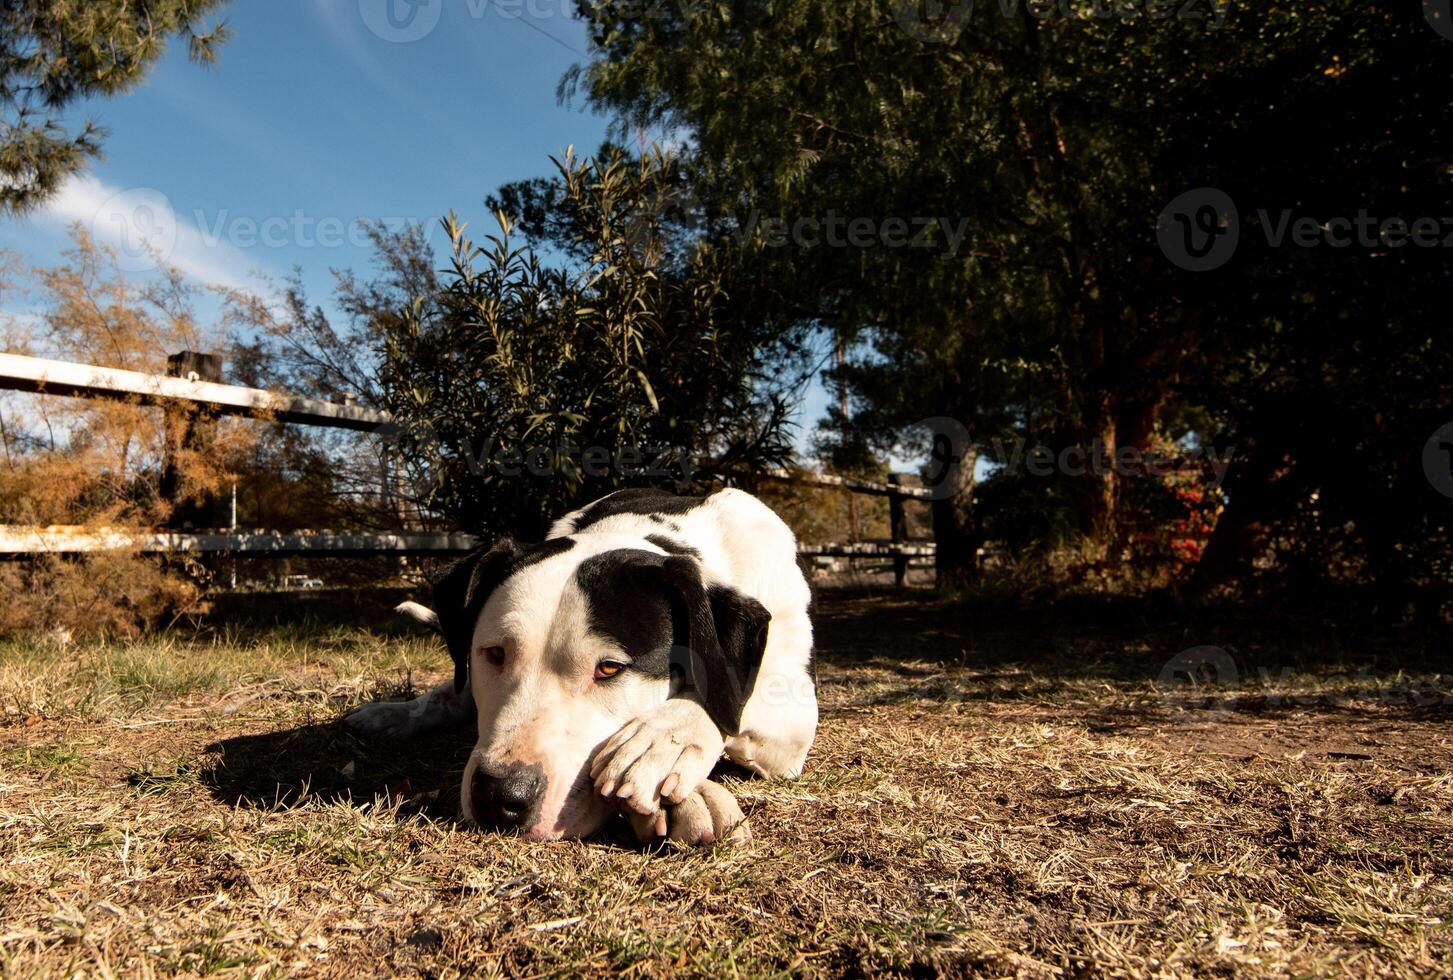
(898, 525)
(188, 430)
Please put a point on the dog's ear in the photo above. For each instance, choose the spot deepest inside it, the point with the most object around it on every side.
(460, 595)
(727, 635)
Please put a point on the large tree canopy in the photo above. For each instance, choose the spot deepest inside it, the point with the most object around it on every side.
(56, 52)
(1062, 134)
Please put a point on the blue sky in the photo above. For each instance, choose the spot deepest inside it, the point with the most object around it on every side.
(311, 121)
(318, 114)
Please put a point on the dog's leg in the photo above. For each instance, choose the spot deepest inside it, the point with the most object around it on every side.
(767, 754)
(708, 815)
(779, 721)
(435, 708)
(778, 727)
(398, 720)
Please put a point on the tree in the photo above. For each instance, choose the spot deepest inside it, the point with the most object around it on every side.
(70, 461)
(81, 461)
(523, 389)
(1061, 133)
(55, 52)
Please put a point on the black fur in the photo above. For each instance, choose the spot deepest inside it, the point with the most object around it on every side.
(651, 503)
(658, 610)
(727, 635)
(625, 602)
(672, 546)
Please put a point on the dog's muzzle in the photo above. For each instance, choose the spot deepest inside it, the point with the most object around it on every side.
(507, 799)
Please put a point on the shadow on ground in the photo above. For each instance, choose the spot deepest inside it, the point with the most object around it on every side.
(1117, 665)
(325, 762)
(1116, 638)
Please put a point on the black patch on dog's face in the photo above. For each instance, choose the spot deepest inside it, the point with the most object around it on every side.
(626, 602)
(650, 503)
(658, 609)
(672, 547)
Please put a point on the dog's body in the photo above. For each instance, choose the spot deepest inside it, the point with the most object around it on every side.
(611, 664)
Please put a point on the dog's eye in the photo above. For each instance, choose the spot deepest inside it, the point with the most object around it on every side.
(495, 655)
(608, 668)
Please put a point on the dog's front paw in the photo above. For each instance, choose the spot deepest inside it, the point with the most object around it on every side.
(708, 815)
(661, 757)
(384, 720)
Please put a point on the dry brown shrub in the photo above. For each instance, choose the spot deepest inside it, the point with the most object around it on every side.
(104, 595)
(94, 463)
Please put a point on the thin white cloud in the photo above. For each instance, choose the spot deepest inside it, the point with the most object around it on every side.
(146, 232)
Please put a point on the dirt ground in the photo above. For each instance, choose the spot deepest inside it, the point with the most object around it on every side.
(1005, 795)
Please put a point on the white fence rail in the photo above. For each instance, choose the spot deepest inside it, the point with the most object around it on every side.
(50, 377)
(17, 541)
(39, 374)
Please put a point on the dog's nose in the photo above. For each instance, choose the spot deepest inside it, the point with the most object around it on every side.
(506, 799)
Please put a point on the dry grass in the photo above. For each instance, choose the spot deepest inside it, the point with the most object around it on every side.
(1009, 798)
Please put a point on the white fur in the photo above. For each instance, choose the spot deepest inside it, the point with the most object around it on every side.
(543, 707)
(422, 614)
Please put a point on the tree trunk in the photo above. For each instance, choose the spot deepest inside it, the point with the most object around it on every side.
(188, 435)
(1257, 491)
(1099, 487)
(956, 534)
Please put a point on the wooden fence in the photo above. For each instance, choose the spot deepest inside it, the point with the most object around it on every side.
(188, 389)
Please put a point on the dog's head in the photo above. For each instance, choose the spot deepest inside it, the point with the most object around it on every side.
(564, 642)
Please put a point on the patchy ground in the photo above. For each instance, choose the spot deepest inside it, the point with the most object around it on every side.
(1008, 796)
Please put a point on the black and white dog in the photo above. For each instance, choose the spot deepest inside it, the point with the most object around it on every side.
(612, 664)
